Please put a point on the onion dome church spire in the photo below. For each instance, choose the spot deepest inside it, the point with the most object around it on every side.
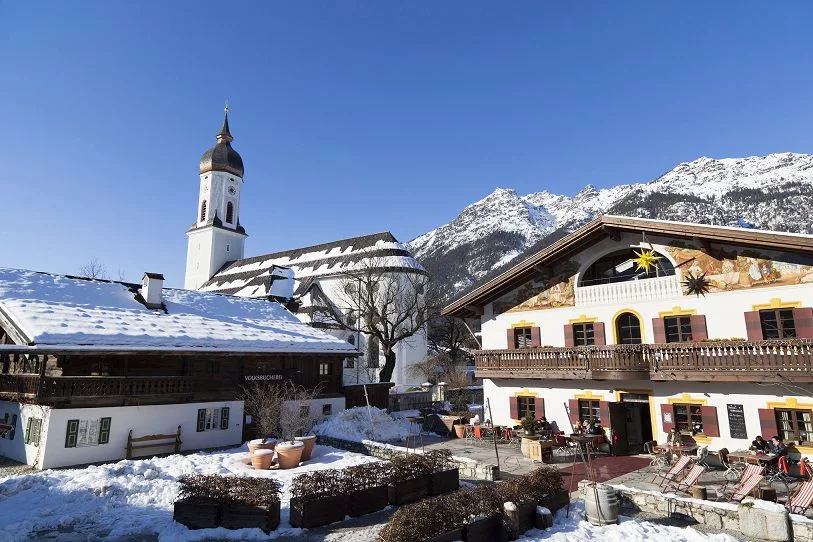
(222, 157)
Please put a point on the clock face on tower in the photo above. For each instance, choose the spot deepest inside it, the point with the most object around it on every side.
(232, 190)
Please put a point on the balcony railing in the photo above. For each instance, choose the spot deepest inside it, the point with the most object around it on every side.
(627, 291)
(723, 360)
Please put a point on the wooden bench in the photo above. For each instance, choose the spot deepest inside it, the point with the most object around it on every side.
(131, 442)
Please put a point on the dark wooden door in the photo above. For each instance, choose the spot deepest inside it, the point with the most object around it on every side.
(618, 429)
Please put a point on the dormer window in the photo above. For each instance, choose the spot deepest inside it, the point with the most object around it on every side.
(229, 213)
(203, 211)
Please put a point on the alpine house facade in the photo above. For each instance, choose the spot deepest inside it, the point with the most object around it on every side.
(652, 325)
(89, 367)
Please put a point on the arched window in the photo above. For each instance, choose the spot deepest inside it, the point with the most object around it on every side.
(203, 211)
(620, 266)
(628, 328)
(229, 213)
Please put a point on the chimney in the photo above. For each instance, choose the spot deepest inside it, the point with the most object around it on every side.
(151, 286)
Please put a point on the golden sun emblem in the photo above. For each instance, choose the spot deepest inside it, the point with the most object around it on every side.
(646, 260)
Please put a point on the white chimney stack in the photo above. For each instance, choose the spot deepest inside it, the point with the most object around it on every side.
(151, 286)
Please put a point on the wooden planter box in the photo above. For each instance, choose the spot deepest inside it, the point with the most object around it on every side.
(367, 501)
(556, 501)
(409, 490)
(485, 530)
(244, 516)
(444, 482)
(318, 512)
(449, 536)
(197, 514)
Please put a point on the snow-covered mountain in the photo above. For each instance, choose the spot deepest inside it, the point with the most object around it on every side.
(771, 192)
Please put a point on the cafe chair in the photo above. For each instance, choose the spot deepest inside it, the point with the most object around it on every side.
(802, 499)
(737, 493)
(674, 473)
(685, 485)
(750, 471)
(733, 471)
(658, 457)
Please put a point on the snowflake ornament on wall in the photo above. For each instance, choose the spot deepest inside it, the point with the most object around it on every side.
(696, 284)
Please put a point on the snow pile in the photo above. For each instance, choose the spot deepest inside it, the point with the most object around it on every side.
(355, 424)
(134, 498)
(575, 529)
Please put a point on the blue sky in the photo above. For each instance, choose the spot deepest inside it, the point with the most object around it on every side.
(354, 117)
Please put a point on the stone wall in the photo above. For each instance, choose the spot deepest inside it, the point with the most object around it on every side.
(756, 519)
(469, 468)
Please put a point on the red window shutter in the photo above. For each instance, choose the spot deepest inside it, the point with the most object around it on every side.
(710, 426)
(512, 342)
(539, 407)
(767, 423)
(598, 334)
(604, 413)
(536, 337)
(513, 408)
(699, 330)
(573, 411)
(753, 326)
(569, 341)
(667, 426)
(659, 331)
(803, 321)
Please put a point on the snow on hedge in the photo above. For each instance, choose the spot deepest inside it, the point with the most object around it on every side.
(360, 423)
(135, 497)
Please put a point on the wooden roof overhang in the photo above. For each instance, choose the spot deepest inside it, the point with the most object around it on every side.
(611, 226)
(89, 350)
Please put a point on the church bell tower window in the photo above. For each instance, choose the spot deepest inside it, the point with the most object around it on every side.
(203, 211)
(229, 213)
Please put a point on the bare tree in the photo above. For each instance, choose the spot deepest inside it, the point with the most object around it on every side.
(263, 401)
(93, 270)
(280, 409)
(297, 417)
(452, 337)
(387, 305)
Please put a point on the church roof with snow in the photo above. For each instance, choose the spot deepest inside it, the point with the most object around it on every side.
(57, 311)
(255, 277)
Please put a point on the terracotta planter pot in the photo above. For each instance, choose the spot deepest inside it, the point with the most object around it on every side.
(310, 442)
(197, 513)
(289, 454)
(262, 459)
(258, 445)
(458, 430)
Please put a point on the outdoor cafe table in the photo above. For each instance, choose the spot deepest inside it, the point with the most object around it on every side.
(748, 457)
(679, 448)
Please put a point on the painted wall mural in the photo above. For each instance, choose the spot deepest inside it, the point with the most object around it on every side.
(737, 270)
(556, 291)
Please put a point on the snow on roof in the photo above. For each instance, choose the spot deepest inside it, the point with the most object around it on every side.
(346, 255)
(60, 311)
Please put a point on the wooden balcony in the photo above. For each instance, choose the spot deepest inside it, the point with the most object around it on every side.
(732, 361)
(617, 362)
(109, 390)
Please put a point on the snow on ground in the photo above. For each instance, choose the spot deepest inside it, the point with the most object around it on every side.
(576, 529)
(360, 423)
(133, 497)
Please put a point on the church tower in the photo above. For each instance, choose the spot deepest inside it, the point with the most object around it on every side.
(216, 237)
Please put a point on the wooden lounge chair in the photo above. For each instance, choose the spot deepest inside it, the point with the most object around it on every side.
(674, 473)
(740, 491)
(685, 485)
(801, 500)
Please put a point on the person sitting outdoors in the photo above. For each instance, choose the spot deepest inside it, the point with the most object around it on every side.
(595, 428)
(675, 438)
(759, 444)
(777, 447)
(544, 424)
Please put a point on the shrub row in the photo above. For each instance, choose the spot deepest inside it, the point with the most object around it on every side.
(430, 518)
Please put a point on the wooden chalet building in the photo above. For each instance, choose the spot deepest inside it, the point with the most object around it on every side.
(85, 364)
(651, 325)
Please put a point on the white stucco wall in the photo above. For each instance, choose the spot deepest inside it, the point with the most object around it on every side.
(16, 449)
(143, 420)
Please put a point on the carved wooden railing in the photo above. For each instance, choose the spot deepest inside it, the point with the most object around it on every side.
(782, 356)
(790, 356)
(627, 291)
(107, 386)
